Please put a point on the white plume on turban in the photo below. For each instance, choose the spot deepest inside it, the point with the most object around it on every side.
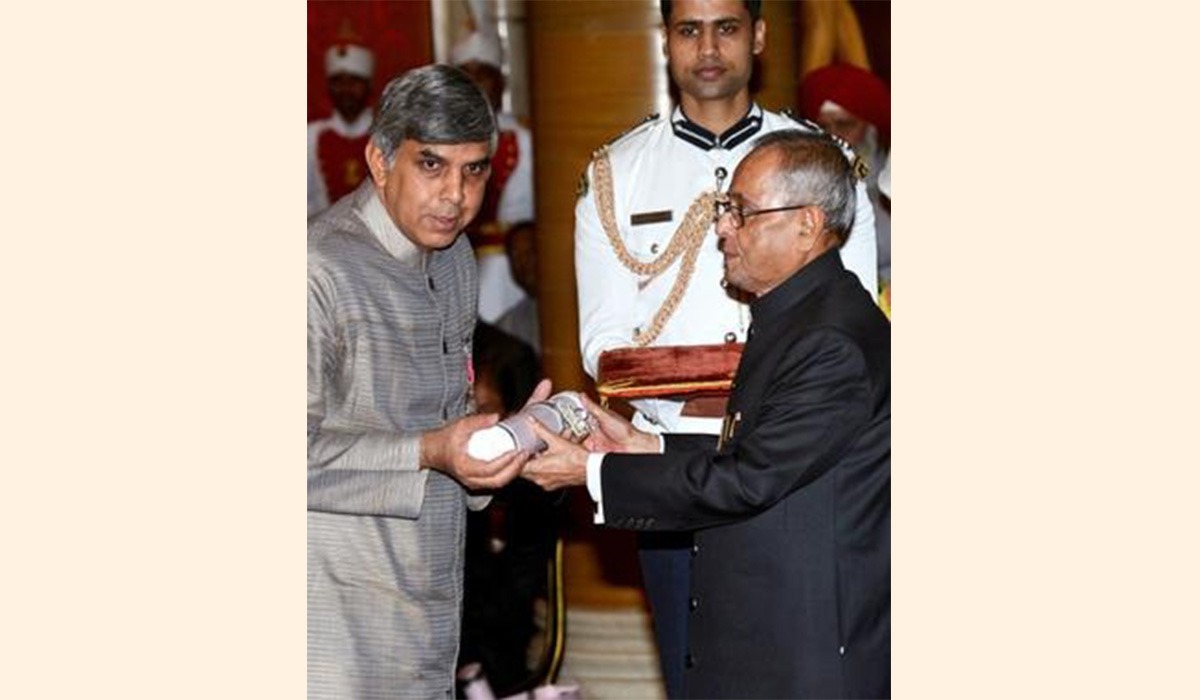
(347, 58)
(479, 46)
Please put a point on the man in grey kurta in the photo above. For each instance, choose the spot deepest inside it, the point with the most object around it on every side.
(391, 308)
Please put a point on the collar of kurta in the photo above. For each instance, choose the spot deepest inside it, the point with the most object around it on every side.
(376, 217)
(704, 139)
(827, 266)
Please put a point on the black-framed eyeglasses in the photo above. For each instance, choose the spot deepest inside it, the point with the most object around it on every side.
(730, 205)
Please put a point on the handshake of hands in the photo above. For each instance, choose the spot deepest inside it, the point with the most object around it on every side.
(542, 442)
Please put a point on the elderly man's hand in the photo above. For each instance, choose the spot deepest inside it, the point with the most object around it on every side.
(445, 449)
(615, 434)
(561, 464)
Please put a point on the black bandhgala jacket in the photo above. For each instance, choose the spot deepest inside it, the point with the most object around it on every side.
(791, 508)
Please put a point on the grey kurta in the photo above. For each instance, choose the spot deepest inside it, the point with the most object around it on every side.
(389, 340)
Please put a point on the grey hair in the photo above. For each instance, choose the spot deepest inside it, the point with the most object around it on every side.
(432, 104)
(814, 169)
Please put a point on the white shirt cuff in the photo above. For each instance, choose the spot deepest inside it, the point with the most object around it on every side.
(594, 460)
(593, 484)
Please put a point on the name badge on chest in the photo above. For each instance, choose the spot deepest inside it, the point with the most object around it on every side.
(650, 217)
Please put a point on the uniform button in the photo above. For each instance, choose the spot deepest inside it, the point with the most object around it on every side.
(445, 347)
(730, 337)
(445, 414)
(431, 285)
(654, 248)
(693, 603)
(695, 549)
(689, 661)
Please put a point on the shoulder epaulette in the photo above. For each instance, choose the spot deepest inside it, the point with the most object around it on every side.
(636, 127)
(806, 123)
(581, 189)
(857, 164)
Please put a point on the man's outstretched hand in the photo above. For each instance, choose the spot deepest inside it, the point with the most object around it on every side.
(615, 434)
(445, 449)
(561, 464)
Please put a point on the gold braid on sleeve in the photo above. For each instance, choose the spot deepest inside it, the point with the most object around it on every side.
(685, 242)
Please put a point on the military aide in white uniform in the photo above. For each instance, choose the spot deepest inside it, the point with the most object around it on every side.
(658, 170)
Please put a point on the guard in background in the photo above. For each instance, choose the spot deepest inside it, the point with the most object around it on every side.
(509, 197)
(336, 165)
